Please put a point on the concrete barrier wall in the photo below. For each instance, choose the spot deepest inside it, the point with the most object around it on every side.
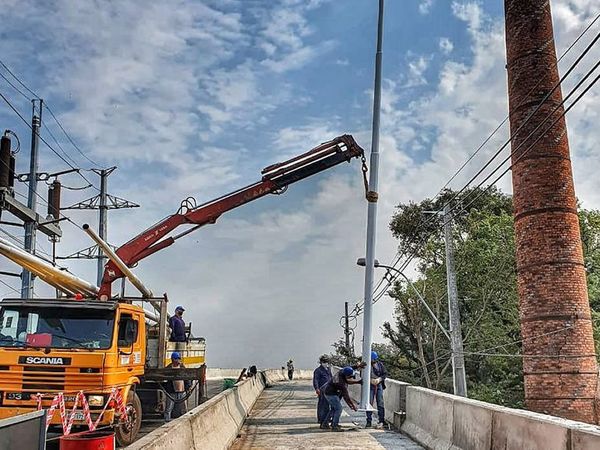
(214, 424)
(442, 421)
(394, 398)
(217, 372)
(213, 373)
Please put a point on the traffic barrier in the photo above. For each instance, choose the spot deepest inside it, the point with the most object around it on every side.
(443, 421)
(58, 402)
(215, 423)
(421, 406)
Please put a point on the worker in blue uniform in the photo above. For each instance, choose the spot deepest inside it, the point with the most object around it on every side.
(321, 376)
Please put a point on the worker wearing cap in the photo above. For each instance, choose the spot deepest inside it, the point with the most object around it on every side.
(177, 325)
(176, 390)
(321, 377)
(378, 376)
(334, 390)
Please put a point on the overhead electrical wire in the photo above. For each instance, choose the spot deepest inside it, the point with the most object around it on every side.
(19, 81)
(16, 111)
(399, 256)
(555, 87)
(464, 207)
(95, 164)
(45, 105)
(357, 309)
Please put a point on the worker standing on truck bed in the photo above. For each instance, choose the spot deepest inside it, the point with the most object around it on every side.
(177, 325)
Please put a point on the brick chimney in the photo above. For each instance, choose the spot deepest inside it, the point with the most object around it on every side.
(554, 307)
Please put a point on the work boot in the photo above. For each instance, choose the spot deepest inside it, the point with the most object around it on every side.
(337, 428)
(369, 424)
(324, 426)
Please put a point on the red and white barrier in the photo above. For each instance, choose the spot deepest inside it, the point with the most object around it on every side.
(58, 402)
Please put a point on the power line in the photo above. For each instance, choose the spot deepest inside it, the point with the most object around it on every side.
(7, 101)
(578, 60)
(19, 81)
(95, 164)
(454, 215)
(68, 136)
(561, 104)
(57, 143)
(579, 37)
(42, 199)
(15, 87)
(10, 287)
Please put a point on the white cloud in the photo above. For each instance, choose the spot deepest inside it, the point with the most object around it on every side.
(446, 45)
(425, 6)
(284, 35)
(469, 12)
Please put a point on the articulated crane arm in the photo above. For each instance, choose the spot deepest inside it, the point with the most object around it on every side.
(275, 179)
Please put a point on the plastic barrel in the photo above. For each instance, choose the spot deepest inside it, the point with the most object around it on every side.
(98, 440)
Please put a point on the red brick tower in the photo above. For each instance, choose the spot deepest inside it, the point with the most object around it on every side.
(554, 307)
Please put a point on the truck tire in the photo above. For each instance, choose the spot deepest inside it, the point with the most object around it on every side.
(126, 433)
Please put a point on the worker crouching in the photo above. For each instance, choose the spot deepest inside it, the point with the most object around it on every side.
(336, 389)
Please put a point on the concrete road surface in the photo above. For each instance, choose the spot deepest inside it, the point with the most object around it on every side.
(284, 417)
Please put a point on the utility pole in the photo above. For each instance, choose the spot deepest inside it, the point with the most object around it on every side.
(102, 202)
(103, 225)
(30, 225)
(458, 360)
(347, 328)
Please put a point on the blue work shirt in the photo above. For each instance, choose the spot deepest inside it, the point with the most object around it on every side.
(321, 376)
(177, 329)
(378, 369)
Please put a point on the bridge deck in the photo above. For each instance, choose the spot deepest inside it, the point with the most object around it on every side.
(285, 417)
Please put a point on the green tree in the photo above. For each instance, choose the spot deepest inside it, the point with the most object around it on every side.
(417, 351)
(486, 278)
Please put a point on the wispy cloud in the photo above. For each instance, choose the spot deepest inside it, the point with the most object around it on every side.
(446, 45)
(425, 6)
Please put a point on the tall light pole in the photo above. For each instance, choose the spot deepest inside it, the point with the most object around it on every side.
(372, 196)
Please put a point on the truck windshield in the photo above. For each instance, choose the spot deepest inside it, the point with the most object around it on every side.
(55, 327)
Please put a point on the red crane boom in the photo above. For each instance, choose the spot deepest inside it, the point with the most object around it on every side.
(275, 178)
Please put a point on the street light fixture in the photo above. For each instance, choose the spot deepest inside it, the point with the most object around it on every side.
(362, 262)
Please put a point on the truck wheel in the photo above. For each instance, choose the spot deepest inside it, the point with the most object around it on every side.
(126, 432)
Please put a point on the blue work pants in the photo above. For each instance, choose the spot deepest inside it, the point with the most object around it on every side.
(335, 411)
(377, 394)
(322, 409)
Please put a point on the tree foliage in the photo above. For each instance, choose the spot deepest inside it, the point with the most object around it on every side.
(418, 352)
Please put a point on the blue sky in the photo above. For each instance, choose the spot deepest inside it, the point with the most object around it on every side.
(194, 98)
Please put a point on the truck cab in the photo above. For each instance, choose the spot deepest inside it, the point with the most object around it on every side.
(63, 345)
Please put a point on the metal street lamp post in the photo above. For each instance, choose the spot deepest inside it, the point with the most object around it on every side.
(372, 196)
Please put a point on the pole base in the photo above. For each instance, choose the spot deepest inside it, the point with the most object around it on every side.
(369, 408)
